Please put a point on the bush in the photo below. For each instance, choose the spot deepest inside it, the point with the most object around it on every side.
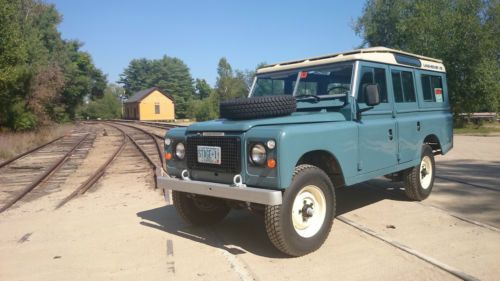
(107, 107)
(20, 119)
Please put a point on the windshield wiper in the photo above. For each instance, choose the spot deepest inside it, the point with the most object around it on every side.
(315, 98)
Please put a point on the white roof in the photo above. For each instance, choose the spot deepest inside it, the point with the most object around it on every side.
(374, 54)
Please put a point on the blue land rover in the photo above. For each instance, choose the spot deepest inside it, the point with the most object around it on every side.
(308, 127)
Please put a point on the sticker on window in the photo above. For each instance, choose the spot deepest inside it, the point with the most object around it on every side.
(438, 93)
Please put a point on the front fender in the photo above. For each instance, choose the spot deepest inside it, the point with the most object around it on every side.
(338, 138)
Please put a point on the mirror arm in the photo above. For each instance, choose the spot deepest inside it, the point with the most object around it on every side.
(361, 110)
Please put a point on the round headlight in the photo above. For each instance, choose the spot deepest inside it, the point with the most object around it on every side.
(258, 154)
(168, 141)
(180, 151)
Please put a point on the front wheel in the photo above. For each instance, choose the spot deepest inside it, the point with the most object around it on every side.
(199, 210)
(302, 223)
(419, 180)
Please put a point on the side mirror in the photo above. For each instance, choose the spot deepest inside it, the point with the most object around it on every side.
(372, 95)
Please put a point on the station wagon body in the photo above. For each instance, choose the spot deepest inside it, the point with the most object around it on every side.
(359, 115)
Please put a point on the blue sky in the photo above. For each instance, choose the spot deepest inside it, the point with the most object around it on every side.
(201, 32)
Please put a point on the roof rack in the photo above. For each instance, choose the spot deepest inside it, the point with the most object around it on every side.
(357, 51)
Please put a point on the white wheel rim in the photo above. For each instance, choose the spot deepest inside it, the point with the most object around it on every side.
(426, 172)
(309, 211)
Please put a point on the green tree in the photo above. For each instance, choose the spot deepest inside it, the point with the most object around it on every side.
(108, 106)
(463, 33)
(169, 74)
(202, 89)
(37, 67)
(230, 84)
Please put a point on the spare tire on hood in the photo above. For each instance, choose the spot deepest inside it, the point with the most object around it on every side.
(257, 107)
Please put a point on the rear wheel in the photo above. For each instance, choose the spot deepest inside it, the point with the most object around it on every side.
(419, 180)
(198, 209)
(302, 223)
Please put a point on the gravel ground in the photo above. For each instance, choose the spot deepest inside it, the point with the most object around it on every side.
(122, 229)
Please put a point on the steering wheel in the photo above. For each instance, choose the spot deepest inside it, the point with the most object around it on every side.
(346, 89)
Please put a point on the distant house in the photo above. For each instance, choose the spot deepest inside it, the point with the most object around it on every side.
(149, 104)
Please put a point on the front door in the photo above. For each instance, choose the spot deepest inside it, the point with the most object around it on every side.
(377, 140)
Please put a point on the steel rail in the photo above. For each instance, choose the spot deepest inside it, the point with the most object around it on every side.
(29, 151)
(54, 167)
(158, 171)
(90, 181)
(376, 189)
(159, 149)
(432, 261)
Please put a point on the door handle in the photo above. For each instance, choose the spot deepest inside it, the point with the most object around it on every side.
(390, 134)
(418, 126)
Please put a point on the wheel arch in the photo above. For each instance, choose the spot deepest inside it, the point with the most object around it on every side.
(327, 162)
(433, 141)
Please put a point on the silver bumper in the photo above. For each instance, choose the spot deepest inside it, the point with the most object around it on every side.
(247, 194)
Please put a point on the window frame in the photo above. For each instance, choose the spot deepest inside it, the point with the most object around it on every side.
(157, 106)
(382, 108)
(428, 104)
(405, 106)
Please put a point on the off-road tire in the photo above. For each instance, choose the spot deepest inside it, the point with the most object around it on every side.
(278, 220)
(257, 107)
(191, 213)
(412, 183)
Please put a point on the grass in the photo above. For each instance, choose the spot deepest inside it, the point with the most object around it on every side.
(13, 143)
(487, 129)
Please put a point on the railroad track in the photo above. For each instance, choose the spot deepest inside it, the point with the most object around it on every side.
(398, 195)
(23, 173)
(147, 144)
(37, 167)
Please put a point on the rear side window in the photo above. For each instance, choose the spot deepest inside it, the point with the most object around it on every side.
(372, 75)
(402, 83)
(432, 88)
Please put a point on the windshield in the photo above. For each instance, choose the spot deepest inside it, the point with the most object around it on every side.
(331, 80)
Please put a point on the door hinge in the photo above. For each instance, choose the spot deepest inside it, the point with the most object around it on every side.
(360, 166)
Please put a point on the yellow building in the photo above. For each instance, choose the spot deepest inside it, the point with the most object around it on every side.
(149, 104)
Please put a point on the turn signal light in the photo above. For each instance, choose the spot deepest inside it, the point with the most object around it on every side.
(168, 155)
(271, 163)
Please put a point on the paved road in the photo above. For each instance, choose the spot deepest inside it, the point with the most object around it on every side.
(123, 230)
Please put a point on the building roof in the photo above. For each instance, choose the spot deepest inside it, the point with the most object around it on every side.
(374, 54)
(137, 97)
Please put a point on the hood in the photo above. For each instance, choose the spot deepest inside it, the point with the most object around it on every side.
(223, 125)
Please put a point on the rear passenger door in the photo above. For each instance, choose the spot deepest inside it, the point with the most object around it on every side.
(377, 127)
(406, 112)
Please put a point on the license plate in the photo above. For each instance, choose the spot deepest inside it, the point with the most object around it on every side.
(209, 154)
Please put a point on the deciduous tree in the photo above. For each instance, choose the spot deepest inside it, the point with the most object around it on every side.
(463, 33)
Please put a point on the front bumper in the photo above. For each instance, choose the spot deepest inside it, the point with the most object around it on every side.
(247, 194)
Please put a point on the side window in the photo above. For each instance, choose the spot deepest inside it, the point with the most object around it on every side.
(372, 75)
(157, 108)
(402, 83)
(432, 88)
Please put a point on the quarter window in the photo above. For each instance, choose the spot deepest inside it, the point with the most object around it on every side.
(402, 83)
(372, 75)
(432, 88)
(157, 108)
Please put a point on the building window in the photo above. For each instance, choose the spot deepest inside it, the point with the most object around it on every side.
(402, 83)
(157, 108)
